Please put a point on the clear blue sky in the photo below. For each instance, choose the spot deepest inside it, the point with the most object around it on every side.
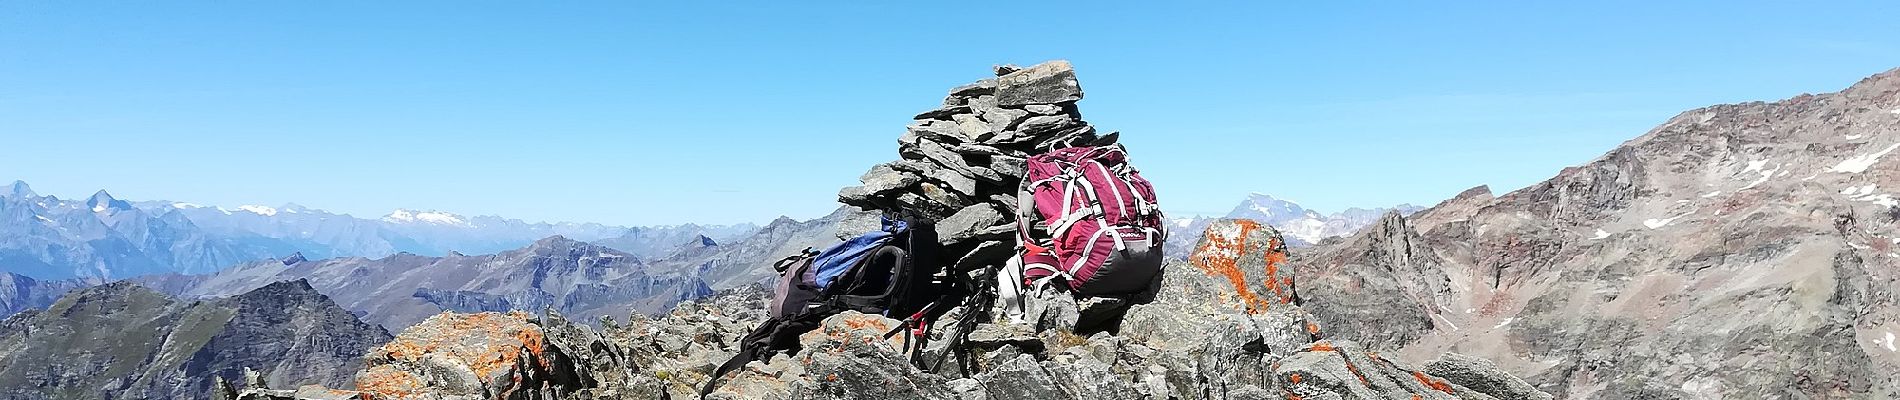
(671, 112)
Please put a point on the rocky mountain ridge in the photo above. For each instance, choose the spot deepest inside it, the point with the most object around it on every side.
(103, 238)
(1735, 251)
(397, 291)
(121, 340)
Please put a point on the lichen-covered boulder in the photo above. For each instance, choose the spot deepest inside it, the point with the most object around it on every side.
(485, 355)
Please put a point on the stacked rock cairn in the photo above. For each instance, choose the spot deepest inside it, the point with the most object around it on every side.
(961, 164)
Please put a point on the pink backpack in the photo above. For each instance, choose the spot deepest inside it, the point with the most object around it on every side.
(1088, 217)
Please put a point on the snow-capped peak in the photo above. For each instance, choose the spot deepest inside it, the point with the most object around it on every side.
(402, 216)
(259, 210)
(102, 201)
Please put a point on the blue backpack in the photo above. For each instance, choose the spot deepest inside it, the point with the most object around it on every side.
(895, 272)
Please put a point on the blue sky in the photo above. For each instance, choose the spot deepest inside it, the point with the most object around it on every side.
(650, 113)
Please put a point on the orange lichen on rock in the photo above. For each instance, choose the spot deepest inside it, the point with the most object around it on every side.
(384, 381)
(865, 322)
(1436, 384)
(1220, 255)
(1322, 346)
(1354, 369)
(1294, 378)
(489, 344)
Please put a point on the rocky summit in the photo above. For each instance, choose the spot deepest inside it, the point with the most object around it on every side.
(1230, 322)
(1227, 325)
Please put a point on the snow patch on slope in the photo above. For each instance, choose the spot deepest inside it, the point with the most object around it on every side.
(259, 210)
(1859, 164)
(402, 216)
(1654, 223)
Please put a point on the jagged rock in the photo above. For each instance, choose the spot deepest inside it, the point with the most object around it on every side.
(1343, 370)
(846, 358)
(487, 354)
(1483, 376)
(1047, 83)
(1022, 378)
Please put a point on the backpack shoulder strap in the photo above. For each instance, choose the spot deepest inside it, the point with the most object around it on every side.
(758, 344)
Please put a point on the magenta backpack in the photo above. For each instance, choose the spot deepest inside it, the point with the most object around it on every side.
(1088, 217)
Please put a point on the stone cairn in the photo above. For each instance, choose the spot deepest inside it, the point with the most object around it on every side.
(961, 164)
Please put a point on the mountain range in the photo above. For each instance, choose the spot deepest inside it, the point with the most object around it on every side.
(1300, 226)
(572, 277)
(103, 238)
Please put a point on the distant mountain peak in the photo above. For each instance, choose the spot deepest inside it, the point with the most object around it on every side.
(406, 216)
(294, 208)
(102, 201)
(19, 190)
(556, 241)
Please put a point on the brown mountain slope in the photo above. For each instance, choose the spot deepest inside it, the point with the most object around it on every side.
(1744, 250)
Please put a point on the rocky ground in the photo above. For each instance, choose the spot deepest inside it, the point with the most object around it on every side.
(1227, 325)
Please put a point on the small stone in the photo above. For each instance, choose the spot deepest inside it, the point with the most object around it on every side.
(976, 149)
(1047, 83)
(929, 202)
(972, 127)
(883, 179)
(1071, 137)
(1044, 124)
(963, 185)
(1012, 167)
(978, 88)
(937, 131)
(1043, 109)
(968, 223)
(999, 119)
(996, 336)
(992, 252)
(942, 156)
(1005, 69)
(983, 173)
(943, 113)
